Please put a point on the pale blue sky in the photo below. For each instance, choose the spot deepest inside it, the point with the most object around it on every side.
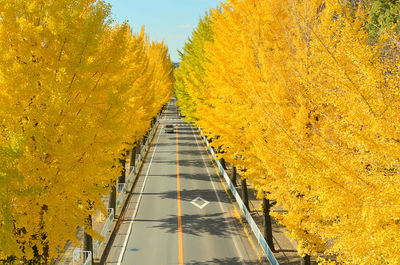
(168, 20)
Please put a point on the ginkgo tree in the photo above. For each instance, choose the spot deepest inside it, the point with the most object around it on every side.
(301, 99)
(190, 75)
(75, 92)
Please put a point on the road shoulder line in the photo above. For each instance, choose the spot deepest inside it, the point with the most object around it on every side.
(121, 256)
(216, 193)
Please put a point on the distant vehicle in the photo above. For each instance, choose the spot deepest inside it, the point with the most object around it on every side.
(169, 128)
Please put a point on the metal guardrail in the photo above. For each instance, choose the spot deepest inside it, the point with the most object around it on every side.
(97, 244)
(122, 189)
(81, 257)
(256, 231)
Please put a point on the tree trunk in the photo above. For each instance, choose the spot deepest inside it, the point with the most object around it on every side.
(121, 178)
(245, 194)
(234, 174)
(138, 149)
(113, 199)
(268, 224)
(133, 158)
(87, 239)
(306, 260)
(223, 164)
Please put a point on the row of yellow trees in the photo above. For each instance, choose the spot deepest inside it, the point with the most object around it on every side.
(76, 91)
(309, 110)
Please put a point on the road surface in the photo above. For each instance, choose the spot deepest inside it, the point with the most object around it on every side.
(179, 212)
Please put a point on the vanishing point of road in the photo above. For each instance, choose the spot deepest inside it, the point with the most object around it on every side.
(178, 212)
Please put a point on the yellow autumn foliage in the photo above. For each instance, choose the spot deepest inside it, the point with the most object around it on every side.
(74, 92)
(298, 97)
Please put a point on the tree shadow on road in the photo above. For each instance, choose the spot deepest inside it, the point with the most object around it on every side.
(182, 163)
(182, 131)
(181, 152)
(223, 261)
(200, 225)
(173, 144)
(189, 195)
(198, 176)
(186, 139)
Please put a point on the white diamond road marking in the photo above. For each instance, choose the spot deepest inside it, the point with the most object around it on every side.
(201, 205)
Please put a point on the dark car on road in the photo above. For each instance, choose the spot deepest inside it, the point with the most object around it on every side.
(169, 128)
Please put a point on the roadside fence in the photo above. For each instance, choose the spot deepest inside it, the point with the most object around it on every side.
(256, 231)
(97, 244)
(122, 190)
(81, 257)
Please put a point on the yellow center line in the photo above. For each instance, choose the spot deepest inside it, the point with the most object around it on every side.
(178, 185)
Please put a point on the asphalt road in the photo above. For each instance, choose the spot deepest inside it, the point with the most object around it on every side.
(179, 212)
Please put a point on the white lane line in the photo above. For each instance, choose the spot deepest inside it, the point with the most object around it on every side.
(121, 256)
(221, 206)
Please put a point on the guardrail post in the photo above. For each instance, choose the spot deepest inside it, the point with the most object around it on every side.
(121, 188)
(80, 257)
(75, 256)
